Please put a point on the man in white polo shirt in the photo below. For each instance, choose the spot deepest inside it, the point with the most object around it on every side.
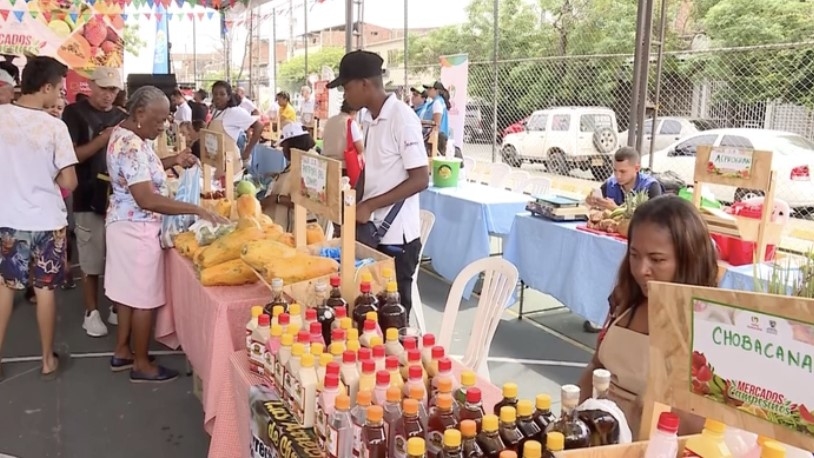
(396, 167)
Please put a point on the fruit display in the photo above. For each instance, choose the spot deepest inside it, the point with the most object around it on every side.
(94, 44)
(616, 221)
(229, 273)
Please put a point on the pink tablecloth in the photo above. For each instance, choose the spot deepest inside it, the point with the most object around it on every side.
(208, 323)
(231, 437)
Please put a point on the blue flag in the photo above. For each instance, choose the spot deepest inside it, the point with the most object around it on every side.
(161, 51)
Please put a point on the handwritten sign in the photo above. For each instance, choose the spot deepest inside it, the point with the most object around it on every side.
(211, 146)
(732, 162)
(756, 362)
(313, 177)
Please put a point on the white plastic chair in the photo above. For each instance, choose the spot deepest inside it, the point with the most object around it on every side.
(499, 281)
(538, 186)
(498, 173)
(469, 167)
(427, 222)
(517, 180)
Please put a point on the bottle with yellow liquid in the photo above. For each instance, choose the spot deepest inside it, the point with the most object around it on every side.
(710, 444)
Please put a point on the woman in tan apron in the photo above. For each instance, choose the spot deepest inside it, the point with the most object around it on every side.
(668, 241)
(228, 118)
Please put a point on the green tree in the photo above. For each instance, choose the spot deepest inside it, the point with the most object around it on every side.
(133, 43)
(292, 73)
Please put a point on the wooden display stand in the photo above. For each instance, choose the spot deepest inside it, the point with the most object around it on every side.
(215, 162)
(756, 175)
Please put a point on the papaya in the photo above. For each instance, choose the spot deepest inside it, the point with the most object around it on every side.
(247, 222)
(314, 233)
(265, 220)
(257, 254)
(186, 243)
(286, 238)
(229, 273)
(298, 268)
(227, 248)
(248, 206)
(75, 52)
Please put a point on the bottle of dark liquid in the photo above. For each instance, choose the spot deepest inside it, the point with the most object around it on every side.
(325, 313)
(364, 303)
(472, 408)
(441, 419)
(554, 444)
(277, 297)
(335, 297)
(525, 423)
(391, 313)
(374, 440)
(489, 437)
(542, 415)
(509, 397)
(409, 426)
(469, 443)
(511, 436)
(532, 449)
(416, 448)
(575, 431)
(452, 444)
(604, 427)
(388, 275)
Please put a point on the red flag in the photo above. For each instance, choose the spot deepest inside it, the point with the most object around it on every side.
(201, 16)
(4, 13)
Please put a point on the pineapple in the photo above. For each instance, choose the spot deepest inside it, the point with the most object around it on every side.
(624, 213)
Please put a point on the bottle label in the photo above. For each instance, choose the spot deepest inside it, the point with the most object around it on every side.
(357, 440)
(332, 443)
(299, 401)
(268, 365)
(256, 351)
(321, 425)
(435, 442)
(399, 446)
(279, 374)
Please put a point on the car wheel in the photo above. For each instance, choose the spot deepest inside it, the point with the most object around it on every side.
(605, 140)
(557, 164)
(745, 194)
(603, 172)
(509, 156)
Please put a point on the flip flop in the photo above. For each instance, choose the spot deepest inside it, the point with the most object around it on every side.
(63, 362)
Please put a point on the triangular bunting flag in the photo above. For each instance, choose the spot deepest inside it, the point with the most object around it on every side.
(151, 3)
(158, 17)
(19, 15)
(209, 14)
(148, 16)
(191, 16)
(91, 2)
(179, 3)
(99, 18)
(124, 17)
(169, 16)
(201, 16)
(35, 13)
(216, 4)
(4, 13)
(73, 16)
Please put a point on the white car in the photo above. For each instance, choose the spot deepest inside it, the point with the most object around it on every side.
(793, 159)
(565, 138)
(669, 129)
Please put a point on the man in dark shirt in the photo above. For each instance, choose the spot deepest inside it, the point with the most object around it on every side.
(90, 122)
(627, 178)
(199, 108)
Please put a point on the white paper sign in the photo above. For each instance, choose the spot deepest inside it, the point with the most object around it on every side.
(732, 162)
(314, 172)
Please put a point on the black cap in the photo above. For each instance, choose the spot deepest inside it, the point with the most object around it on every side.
(436, 85)
(357, 65)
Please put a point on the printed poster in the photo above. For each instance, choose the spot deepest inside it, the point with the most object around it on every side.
(758, 363)
(314, 174)
(455, 77)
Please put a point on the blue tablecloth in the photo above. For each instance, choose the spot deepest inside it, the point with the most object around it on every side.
(464, 219)
(577, 268)
(744, 278)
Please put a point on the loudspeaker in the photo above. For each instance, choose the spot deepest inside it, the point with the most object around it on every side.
(166, 83)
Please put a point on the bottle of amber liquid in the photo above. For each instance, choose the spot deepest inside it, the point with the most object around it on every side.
(576, 432)
(452, 444)
(441, 419)
(374, 440)
(509, 397)
(335, 296)
(388, 275)
(409, 426)
(511, 436)
(532, 449)
(554, 444)
(604, 427)
(416, 448)
(525, 423)
(469, 442)
(472, 408)
(277, 297)
(542, 413)
(489, 437)
(391, 313)
(364, 303)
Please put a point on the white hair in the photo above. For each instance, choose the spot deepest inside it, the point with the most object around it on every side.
(145, 96)
(306, 89)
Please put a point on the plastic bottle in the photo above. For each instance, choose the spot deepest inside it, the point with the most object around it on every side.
(306, 394)
(282, 361)
(276, 311)
(341, 313)
(508, 454)
(532, 449)
(391, 342)
(741, 449)
(374, 317)
(259, 337)
(427, 342)
(358, 417)
(409, 426)
(365, 302)
(511, 436)
(392, 414)
(339, 440)
(335, 300)
(530, 430)
(295, 311)
(338, 335)
(414, 377)
(376, 341)
(368, 332)
(304, 337)
(374, 439)
(367, 377)
(292, 371)
(350, 375)
(542, 413)
(554, 444)
(416, 448)
(277, 297)
(316, 349)
(325, 408)
(325, 313)
(472, 409)
(664, 442)
(353, 345)
(509, 397)
(489, 438)
(409, 343)
(346, 324)
(315, 334)
(324, 359)
(468, 380)
(270, 355)
(284, 320)
(391, 364)
(310, 317)
(469, 432)
(443, 372)
(441, 419)
(351, 334)
(417, 392)
(414, 359)
(392, 313)
(772, 449)
(382, 385)
(452, 444)
(710, 444)
(362, 355)
(256, 311)
(379, 354)
(388, 275)
(335, 368)
(437, 353)
(444, 387)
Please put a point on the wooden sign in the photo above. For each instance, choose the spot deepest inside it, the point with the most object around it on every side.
(317, 184)
(213, 152)
(738, 167)
(744, 359)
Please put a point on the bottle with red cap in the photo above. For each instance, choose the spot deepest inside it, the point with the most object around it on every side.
(414, 359)
(304, 337)
(380, 390)
(350, 374)
(335, 299)
(367, 376)
(444, 366)
(339, 313)
(284, 320)
(338, 335)
(310, 317)
(363, 354)
(472, 408)
(335, 368)
(409, 343)
(259, 337)
(436, 354)
(391, 365)
(324, 314)
(366, 302)
(415, 377)
(427, 344)
(368, 331)
(325, 407)
(664, 442)
(379, 353)
(315, 333)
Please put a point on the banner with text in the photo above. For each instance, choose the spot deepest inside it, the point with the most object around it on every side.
(161, 56)
(455, 77)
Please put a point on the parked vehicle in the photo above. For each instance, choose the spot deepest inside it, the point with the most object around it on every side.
(565, 138)
(792, 160)
(668, 130)
(477, 123)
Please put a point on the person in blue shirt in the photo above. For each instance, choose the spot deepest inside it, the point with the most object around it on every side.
(439, 105)
(627, 178)
(419, 103)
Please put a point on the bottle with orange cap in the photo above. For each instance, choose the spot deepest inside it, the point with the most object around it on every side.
(441, 419)
(358, 415)
(409, 426)
(365, 302)
(417, 392)
(469, 443)
(339, 437)
(374, 439)
(508, 454)
(392, 414)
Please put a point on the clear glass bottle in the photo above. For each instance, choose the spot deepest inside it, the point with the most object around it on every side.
(511, 436)
(604, 426)
(542, 413)
(365, 302)
(509, 397)
(374, 439)
(489, 438)
(392, 314)
(452, 444)
(277, 297)
(469, 442)
(525, 423)
(409, 426)
(575, 431)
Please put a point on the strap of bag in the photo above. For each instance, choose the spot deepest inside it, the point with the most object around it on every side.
(382, 229)
(349, 141)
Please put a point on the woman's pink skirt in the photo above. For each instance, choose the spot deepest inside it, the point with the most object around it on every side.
(134, 266)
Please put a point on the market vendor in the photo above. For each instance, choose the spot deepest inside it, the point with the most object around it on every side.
(233, 121)
(668, 241)
(627, 178)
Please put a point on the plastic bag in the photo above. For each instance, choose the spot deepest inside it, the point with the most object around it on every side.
(606, 405)
(206, 232)
(189, 191)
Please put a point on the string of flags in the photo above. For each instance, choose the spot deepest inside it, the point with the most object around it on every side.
(20, 15)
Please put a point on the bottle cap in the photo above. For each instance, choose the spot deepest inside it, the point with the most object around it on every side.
(335, 281)
(510, 390)
(297, 349)
(364, 287)
(332, 368)
(277, 310)
(532, 449)
(428, 340)
(304, 337)
(444, 385)
(263, 320)
(353, 345)
(410, 343)
(317, 349)
(307, 360)
(340, 312)
(331, 381)
(276, 283)
(337, 335)
(507, 454)
(444, 365)
(295, 309)
(315, 327)
(452, 438)
(337, 348)
(352, 334)
(284, 319)
(714, 426)
(508, 414)
(374, 414)
(391, 363)
(542, 402)
(256, 311)
(469, 428)
(417, 392)
(373, 316)
(601, 380)
(393, 394)
(370, 325)
(367, 277)
(473, 395)
(310, 314)
(392, 287)
(387, 273)
(349, 357)
(490, 422)
(668, 422)
(346, 323)
(413, 356)
(416, 446)
(379, 351)
(325, 359)
(437, 352)
(363, 398)
(555, 441)
(375, 340)
(364, 354)
(569, 395)
(410, 406)
(468, 378)
(443, 401)
(391, 334)
(286, 340)
(369, 366)
(293, 329)
(415, 372)
(382, 378)
(524, 408)
(342, 402)
(276, 330)
(772, 449)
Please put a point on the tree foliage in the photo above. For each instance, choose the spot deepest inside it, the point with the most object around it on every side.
(133, 42)
(292, 73)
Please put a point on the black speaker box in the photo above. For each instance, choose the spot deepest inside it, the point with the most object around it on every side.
(166, 83)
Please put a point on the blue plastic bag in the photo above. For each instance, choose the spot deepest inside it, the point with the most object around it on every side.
(189, 191)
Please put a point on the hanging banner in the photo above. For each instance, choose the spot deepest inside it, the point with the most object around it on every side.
(161, 50)
(455, 77)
